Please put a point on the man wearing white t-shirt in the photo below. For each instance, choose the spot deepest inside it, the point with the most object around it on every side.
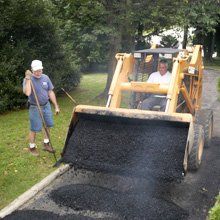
(162, 76)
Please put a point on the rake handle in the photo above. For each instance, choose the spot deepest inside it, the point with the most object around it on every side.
(42, 117)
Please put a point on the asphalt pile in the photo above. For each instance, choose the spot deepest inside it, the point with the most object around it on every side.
(123, 205)
(128, 146)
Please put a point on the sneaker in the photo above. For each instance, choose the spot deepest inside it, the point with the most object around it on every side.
(34, 151)
(47, 147)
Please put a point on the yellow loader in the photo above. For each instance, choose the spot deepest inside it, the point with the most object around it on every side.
(125, 139)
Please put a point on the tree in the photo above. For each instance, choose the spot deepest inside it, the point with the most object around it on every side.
(82, 28)
(91, 30)
(96, 30)
(217, 39)
(27, 32)
(169, 41)
(204, 17)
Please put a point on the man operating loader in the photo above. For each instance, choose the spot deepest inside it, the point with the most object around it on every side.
(39, 89)
(161, 76)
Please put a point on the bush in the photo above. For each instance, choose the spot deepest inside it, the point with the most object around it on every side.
(28, 31)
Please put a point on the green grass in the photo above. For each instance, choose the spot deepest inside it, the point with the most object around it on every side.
(214, 213)
(215, 64)
(18, 169)
(218, 84)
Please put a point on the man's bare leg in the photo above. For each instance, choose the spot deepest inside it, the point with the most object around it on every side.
(32, 136)
(47, 145)
(32, 145)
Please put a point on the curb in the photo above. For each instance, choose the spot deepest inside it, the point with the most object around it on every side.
(23, 198)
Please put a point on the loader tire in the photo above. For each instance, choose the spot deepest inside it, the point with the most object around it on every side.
(195, 155)
(204, 117)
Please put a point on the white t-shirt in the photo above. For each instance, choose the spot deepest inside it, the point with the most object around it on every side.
(156, 77)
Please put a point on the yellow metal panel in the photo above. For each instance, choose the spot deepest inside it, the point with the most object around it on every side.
(173, 92)
(197, 50)
(133, 113)
(145, 87)
(123, 69)
(187, 98)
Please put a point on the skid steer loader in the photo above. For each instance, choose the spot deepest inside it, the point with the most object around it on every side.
(128, 140)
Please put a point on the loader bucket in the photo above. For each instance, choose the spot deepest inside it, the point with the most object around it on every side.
(130, 142)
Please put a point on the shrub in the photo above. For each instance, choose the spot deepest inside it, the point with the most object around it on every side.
(28, 31)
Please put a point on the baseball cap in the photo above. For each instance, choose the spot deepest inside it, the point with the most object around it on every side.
(36, 65)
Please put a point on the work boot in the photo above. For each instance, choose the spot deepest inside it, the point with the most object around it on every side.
(47, 147)
(34, 151)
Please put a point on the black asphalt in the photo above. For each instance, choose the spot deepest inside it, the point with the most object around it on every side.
(145, 148)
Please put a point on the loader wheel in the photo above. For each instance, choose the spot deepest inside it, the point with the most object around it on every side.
(205, 118)
(195, 155)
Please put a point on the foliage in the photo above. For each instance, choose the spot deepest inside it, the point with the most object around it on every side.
(80, 35)
(168, 41)
(217, 39)
(96, 30)
(204, 17)
(81, 27)
(27, 32)
(214, 213)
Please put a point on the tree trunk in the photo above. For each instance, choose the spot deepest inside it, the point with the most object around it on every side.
(213, 45)
(114, 45)
(140, 40)
(209, 46)
(115, 42)
(217, 40)
(185, 36)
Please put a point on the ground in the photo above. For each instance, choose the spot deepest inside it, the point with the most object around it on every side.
(81, 194)
(197, 192)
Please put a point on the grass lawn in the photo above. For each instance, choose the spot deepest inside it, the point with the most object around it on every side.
(19, 170)
(218, 84)
(215, 211)
(215, 64)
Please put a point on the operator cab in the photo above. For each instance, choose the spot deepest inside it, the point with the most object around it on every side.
(146, 62)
